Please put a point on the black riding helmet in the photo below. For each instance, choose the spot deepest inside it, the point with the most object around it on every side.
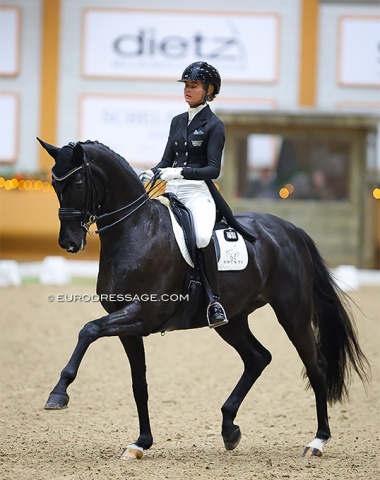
(205, 73)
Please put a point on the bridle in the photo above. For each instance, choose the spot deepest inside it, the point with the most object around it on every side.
(69, 213)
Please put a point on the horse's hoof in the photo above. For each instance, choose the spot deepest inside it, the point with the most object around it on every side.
(233, 440)
(312, 452)
(57, 401)
(132, 452)
(314, 448)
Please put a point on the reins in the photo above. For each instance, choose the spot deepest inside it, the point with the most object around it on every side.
(72, 213)
(93, 218)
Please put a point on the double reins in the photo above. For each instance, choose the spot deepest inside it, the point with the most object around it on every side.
(68, 213)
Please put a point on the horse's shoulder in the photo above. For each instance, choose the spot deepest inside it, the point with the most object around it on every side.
(161, 211)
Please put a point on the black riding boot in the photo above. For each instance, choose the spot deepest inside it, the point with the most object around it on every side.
(216, 315)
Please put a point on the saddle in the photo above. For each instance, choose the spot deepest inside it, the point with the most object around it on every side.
(230, 248)
(184, 219)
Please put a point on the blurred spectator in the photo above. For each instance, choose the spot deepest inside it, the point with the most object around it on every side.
(287, 162)
(319, 188)
(263, 187)
(312, 186)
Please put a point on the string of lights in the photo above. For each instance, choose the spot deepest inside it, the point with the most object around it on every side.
(21, 184)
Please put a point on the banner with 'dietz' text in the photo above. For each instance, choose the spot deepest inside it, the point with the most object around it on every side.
(159, 44)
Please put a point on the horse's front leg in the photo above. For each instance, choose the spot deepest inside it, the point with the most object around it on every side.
(134, 348)
(126, 321)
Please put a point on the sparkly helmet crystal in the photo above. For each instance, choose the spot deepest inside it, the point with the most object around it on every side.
(205, 73)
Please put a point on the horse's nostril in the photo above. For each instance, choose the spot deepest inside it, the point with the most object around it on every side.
(70, 247)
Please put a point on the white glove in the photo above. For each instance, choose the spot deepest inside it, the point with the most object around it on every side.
(170, 173)
(146, 176)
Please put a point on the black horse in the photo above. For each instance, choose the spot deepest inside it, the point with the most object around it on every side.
(139, 257)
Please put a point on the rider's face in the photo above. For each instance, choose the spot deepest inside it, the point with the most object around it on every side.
(194, 92)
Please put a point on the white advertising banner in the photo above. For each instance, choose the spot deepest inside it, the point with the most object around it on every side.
(134, 127)
(159, 44)
(359, 62)
(8, 126)
(9, 40)
(137, 127)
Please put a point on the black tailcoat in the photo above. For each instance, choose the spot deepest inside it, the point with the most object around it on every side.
(197, 147)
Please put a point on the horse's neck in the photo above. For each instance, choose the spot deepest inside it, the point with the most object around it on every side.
(126, 236)
(123, 186)
(126, 202)
(120, 195)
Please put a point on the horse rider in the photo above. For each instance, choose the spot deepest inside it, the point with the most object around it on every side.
(191, 160)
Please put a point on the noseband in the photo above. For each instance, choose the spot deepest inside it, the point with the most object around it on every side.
(88, 215)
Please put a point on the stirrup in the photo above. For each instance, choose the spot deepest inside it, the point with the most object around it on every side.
(220, 322)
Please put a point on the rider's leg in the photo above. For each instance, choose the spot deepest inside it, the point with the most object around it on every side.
(215, 313)
(203, 209)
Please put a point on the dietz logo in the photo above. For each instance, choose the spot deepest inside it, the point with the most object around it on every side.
(151, 44)
(147, 42)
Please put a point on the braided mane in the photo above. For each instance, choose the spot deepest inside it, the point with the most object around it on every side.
(66, 162)
(96, 143)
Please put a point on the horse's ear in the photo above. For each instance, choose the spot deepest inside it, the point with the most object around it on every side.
(52, 151)
(78, 153)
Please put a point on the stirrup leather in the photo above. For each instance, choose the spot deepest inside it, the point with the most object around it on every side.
(220, 322)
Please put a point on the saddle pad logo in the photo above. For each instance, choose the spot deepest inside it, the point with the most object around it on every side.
(231, 235)
(233, 254)
(196, 143)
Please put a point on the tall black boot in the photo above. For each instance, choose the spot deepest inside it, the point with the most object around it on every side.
(216, 315)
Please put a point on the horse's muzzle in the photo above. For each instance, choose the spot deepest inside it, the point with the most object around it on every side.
(71, 248)
(72, 245)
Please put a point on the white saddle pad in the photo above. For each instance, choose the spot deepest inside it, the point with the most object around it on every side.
(233, 254)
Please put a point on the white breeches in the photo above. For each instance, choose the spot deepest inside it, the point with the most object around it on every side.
(198, 199)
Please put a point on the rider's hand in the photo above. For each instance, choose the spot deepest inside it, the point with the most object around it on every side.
(170, 173)
(146, 176)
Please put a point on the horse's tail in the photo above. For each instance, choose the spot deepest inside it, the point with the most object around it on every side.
(335, 330)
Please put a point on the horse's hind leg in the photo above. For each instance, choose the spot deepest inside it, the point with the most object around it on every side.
(316, 368)
(134, 348)
(255, 358)
(301, 334)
